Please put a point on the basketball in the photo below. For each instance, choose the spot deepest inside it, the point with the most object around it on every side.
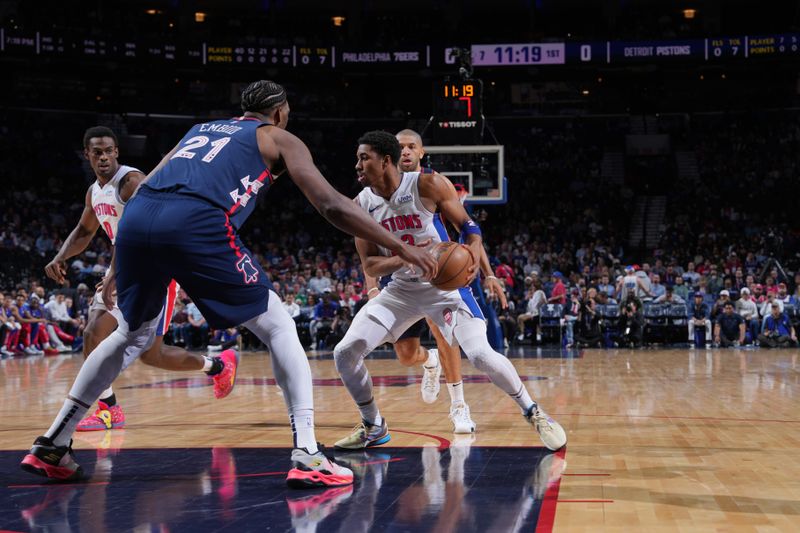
(454, 261)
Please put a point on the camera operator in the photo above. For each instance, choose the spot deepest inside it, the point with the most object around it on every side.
(589, 333)
(632, 320)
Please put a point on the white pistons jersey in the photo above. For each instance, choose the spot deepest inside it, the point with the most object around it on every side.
(107, 204)
(404, 215)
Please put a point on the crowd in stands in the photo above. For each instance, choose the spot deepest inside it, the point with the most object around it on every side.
(568, 249)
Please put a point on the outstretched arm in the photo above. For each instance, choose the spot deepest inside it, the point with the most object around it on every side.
(374, 264)
(76, 242)
(338, 209)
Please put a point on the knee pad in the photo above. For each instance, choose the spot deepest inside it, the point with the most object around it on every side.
(348, 353)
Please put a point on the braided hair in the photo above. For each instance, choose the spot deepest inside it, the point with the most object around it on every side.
(262, 95)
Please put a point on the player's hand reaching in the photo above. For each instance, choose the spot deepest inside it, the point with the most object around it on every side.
(419, 259)
(496, 290)
(56, 270)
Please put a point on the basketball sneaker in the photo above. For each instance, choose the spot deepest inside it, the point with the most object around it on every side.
(552, 434)
(365, 435)
(225, 380)
(106, 417)
(51, 461)
(459, 416)
(430, 379)
(310, 470)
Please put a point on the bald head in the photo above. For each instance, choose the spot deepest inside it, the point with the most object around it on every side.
(411, 150)
(410, 133)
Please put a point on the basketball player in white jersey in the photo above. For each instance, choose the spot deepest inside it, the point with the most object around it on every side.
(105, 202)
(444, 357)
(405, 204)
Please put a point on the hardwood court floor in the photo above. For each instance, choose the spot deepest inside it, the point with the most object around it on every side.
(659, 440)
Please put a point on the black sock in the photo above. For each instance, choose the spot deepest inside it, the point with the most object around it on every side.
(110, 401)
(217, 366)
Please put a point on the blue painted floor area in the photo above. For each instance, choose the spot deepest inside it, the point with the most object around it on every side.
(462, 488)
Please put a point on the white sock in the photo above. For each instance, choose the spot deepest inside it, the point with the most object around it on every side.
(456, 391)
(64, 425)
(207, 363)
(432, 361)
(302, 421)
(107, 393)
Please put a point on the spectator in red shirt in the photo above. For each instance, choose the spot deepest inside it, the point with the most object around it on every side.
(559, 293)
(505, 272)
(770, 286)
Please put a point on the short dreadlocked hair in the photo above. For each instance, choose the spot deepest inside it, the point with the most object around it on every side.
(262, 95)
(383, 142)
(96, 132)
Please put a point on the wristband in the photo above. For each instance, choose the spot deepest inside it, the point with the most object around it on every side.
(372, 289)
(470, 228)
(491, 277)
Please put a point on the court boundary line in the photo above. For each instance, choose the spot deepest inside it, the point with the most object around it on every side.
(547, 512)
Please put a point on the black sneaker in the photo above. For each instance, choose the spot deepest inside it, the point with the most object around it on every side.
(51, 461)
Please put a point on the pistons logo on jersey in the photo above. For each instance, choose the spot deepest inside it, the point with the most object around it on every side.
(248, 269)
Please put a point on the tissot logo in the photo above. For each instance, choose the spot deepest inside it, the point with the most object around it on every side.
(458, 124)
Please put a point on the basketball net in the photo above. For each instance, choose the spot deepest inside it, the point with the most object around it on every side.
(461, 191)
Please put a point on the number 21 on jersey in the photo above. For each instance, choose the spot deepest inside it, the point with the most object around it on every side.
(195, 143)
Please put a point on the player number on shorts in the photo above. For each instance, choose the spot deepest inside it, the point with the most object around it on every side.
(193, 144)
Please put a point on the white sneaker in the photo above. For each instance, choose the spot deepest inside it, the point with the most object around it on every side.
(430, 379)
(30, 350)
(462, 422)
(552, 434)
(521, 337)
(310, 470)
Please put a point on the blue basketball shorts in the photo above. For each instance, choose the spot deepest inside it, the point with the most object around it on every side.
(164, 236)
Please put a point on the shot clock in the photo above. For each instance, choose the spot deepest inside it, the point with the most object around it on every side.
(458, 111)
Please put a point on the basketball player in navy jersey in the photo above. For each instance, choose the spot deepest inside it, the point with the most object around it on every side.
(405, 203)
(105, 203)
(445, 357)
(182, 224)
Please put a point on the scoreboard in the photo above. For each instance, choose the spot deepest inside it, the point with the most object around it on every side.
(24, 44)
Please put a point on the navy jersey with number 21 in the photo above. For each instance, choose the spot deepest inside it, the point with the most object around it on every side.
(218, 162)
